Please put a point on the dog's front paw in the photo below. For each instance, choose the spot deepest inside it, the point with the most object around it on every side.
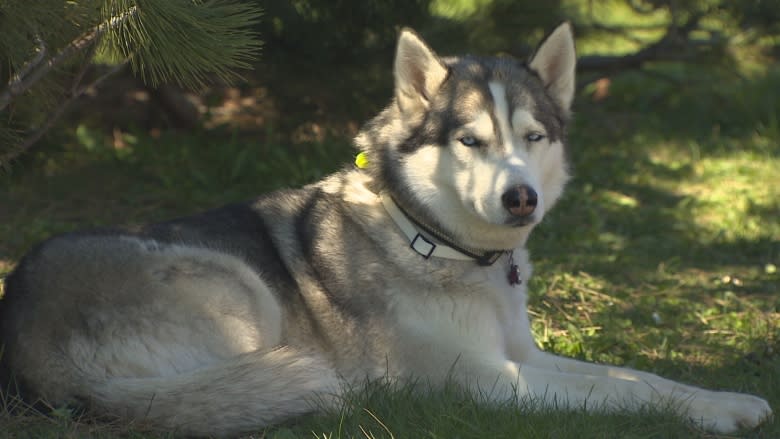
(726, 412)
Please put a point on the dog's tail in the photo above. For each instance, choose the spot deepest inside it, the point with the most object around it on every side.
(237, 396)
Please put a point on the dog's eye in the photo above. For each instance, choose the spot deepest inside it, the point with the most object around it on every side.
(469, 141)
(534, 137)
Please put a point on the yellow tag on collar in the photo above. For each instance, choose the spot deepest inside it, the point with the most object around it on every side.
(361, 161)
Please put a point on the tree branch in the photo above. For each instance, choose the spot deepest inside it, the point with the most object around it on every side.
(75, 92)
(33, 63)
(675, 45)
(33, 71)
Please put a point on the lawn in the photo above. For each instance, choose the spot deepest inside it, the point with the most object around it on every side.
(663, 255)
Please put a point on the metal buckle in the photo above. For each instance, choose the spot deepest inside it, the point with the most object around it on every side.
(421, 240)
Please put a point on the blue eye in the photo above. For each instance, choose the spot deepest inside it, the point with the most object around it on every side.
(470, 141)
(534, 137)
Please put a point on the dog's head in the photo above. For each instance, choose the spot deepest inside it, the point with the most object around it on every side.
(475, 145)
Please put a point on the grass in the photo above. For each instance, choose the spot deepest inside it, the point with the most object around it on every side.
(661, 256)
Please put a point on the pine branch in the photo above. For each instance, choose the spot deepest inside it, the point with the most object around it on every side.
(36, 69)
(185, 41)
(75, 92)
(33, 63)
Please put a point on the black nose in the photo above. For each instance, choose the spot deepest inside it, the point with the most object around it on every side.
(520, 200)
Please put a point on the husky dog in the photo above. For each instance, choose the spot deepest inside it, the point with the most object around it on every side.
(411, 266)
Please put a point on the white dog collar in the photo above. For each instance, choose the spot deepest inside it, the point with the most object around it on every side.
(425, 246)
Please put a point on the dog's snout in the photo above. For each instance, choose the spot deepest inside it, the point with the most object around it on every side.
(520, 200)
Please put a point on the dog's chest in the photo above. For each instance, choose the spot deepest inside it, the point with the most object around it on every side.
(478, 315)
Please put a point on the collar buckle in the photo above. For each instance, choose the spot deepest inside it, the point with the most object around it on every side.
(423, 246)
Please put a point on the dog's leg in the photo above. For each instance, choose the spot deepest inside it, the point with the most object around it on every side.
(717, 411)
(610, 389)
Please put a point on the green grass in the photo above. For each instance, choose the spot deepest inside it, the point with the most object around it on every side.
(662, 255)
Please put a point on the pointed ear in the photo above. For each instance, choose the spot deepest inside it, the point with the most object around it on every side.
(555, 61)
(418, 72)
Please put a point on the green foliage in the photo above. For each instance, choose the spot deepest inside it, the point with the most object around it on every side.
(55, 24)
(329, 31)
(183, 41)
(494, 25)
(30, 29)
(45, 50)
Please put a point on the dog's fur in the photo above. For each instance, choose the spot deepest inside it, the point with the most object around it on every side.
(239, 317)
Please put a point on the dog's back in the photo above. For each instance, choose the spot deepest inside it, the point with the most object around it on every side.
(189, 313)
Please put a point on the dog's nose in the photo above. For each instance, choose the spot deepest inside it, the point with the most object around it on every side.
(520, 200)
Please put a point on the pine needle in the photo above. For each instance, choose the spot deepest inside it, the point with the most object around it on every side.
(184, 41)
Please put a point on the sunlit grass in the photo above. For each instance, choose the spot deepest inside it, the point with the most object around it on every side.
(732, 195)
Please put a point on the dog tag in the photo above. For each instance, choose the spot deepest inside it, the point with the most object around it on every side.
(514, 275)
(514, 271)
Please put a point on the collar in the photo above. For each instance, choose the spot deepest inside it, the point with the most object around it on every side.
(425, 246)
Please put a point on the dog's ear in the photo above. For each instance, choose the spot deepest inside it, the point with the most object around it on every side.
(555, 61)
(418, 73)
